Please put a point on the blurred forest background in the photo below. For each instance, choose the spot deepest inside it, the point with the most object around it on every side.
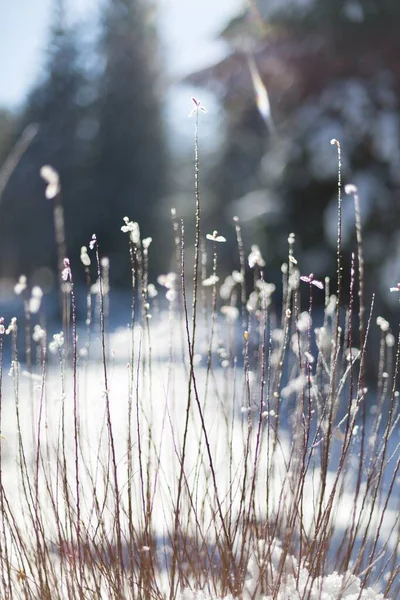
(104, 102)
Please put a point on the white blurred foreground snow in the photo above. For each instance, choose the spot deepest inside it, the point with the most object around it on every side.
(160, 395)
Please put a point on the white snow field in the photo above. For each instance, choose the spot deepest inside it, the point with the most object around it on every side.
(241, 479)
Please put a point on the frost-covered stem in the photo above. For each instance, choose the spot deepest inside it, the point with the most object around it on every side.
(246, 373)
(135, 250)
(381, 466)
(105, 272)
(350, 420)
(59, 231)
(321, 511)
(4, 556)
(263, 331)
(332, 400)
(242, 270)
(130, 404)
(307, 426)
(178, 301)
(109, 424)
(356, 520)
(28, 358)
(197, 238)
(230, 564)
(145, 278)
(28, 344)
(200, 454)
(213, 320)
(28, 489)
(360, 267)
(175, 545)
(353, 190)
(76, 430)
(339, 228)
(88, 315)
(191, 343)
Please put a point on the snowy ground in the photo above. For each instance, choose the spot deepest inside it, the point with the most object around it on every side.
(159, 407)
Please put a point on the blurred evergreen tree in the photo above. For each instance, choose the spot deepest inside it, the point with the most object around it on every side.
(26, 224)
(100, 126)
(129, 157)
(331, 71)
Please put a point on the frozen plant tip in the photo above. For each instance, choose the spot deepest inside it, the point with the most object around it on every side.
(146, 242)
(85, 260)
(310, 279)
(57, 343)
(197, 107)
(214, 237)
(350, 188)
(132, 228)
(93, 242)
(38, 334)
(212, 280)
(255, 257)
(151, 290)
(168, 281)
(35, 299)
(21, 285)
(12, 326)
(230, 312)
(66, 272)
(395, 289)
(52, 179)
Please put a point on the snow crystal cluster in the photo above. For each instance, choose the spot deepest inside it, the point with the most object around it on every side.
(265, 570)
